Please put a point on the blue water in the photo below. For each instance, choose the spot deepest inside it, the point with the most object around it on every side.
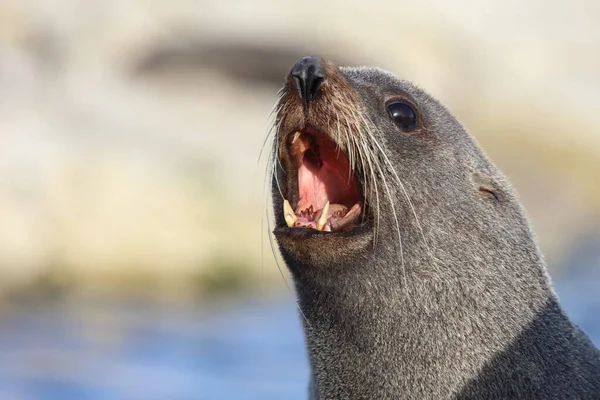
(245, 350)
(248, 350)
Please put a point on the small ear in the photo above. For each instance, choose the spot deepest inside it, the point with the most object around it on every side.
(488, 187)
(490, 192)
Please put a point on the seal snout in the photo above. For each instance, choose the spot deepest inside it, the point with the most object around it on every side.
(318, 149)
(308, 74)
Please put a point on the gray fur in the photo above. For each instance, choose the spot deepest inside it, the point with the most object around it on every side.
(471, 314)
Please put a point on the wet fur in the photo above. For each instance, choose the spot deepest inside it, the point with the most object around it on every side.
(454, 300)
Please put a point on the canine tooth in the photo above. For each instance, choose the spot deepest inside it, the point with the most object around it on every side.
(288, 213)
(296, 136)
(322, 221)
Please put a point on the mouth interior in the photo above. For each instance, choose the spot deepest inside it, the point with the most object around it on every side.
(328, 193)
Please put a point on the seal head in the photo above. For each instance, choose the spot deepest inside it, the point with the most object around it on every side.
(415, 267)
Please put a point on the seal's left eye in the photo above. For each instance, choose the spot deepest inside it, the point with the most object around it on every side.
(403, 115)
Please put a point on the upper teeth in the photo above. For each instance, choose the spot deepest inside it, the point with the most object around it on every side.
(296, 136)
(288, 212)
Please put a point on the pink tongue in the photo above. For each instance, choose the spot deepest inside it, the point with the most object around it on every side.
(312, 190)
(320, 185)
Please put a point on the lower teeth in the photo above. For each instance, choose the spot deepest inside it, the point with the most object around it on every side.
(332, 217)
(322, 221)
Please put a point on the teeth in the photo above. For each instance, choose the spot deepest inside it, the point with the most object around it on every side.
(337, 210)
(288, 213)
(296, 136)
(322, 221)
(353, 214)
(350, 218)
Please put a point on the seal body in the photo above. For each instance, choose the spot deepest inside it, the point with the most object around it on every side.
(426, 282)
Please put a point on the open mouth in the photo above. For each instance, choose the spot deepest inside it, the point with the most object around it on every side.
(328, 197)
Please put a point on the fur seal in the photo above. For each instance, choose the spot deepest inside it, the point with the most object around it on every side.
(416, 271)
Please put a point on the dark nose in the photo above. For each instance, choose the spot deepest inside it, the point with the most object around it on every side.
(309, 74)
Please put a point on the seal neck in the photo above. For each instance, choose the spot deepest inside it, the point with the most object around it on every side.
(366, 340)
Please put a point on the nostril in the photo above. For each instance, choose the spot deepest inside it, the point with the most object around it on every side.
(298, 82)
(316, 84)
(309, 75)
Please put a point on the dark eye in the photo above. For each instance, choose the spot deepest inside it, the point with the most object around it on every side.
(402, 114)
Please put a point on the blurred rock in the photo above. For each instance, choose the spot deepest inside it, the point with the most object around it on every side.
(130, 131)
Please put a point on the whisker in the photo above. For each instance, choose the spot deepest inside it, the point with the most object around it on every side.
(411, 206)
(391, 201)
(278, 265)
(361, 140)
(272, 176)
(368, 156)
(350, 151)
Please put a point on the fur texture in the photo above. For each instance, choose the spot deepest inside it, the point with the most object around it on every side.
(443, 293)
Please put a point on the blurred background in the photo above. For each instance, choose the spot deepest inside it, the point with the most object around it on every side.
(134, 259)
